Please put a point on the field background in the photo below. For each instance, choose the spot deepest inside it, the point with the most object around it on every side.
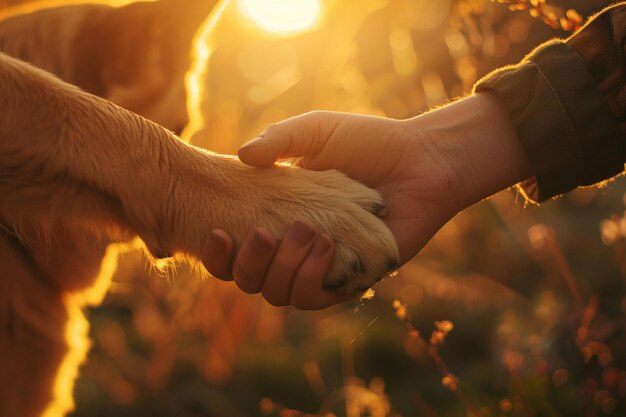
(530, 302)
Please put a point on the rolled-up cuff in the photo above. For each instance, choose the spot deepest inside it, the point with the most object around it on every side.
(561, 118)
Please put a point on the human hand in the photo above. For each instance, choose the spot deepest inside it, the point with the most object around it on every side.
(382, 153)
(427, 169)
(286, 272)
(414, 175)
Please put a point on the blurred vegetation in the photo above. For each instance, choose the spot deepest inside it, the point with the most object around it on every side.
(509, 311)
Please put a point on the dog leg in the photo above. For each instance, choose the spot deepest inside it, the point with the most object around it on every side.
(32, 320)
(43, 332)
(134, 175)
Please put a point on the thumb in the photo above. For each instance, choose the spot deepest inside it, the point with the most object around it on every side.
(300, 136)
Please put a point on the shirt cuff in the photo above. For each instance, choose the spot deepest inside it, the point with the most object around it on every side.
(561, 118)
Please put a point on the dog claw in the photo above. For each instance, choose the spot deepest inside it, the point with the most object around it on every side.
(379, 209)
(336, 285)
(392, 266)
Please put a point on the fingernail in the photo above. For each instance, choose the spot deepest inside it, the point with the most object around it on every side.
(254, 142)
(262, 242)
(321, 247)
(301, 233)
(217, 245)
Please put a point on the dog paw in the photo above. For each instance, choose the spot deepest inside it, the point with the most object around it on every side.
(238, 198)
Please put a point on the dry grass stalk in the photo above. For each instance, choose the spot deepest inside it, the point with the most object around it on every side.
(449, 380)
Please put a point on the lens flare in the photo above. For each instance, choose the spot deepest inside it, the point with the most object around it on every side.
(283, 17)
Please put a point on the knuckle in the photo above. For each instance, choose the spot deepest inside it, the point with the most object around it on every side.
(274, 300)
(245, 281)
(317, 114)
(271, 129)
(314, 115)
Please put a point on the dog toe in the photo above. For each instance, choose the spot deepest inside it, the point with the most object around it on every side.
(379, 209)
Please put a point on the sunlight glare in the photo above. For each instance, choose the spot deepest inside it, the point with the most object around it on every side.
(77, 332)
(283, 17)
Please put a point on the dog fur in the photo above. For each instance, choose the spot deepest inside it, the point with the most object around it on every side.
(78, 173)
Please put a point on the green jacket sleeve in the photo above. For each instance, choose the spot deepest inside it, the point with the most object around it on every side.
(567, 101)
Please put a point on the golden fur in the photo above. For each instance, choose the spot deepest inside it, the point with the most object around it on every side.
(78, 173)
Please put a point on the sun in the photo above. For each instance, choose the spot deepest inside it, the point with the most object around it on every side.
(283, 17)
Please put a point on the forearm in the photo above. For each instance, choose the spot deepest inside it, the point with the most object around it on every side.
(70, 159)
(69, 132)
(66, 156)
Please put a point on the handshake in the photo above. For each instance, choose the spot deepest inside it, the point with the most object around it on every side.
(427, 169)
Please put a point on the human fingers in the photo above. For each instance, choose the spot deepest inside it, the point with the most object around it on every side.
(253, 260)
(291, 253)
(303, 135)
(217, 255)
(307, 291)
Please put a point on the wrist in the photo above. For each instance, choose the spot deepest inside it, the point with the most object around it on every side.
(480, 145)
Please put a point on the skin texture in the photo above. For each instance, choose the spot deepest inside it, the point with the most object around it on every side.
(427, 168)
